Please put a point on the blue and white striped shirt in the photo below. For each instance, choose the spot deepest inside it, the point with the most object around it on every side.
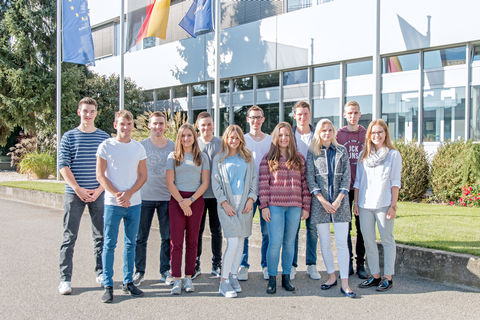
(78, 152)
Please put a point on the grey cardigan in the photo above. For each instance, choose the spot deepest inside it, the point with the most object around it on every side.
(317, 180)
(240, 225)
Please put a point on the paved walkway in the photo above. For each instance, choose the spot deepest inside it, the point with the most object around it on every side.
(29, 266)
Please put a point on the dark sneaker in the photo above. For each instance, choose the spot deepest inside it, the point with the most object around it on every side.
(196, 273)
(107, 295)
(216, 272)
(138, 278)
(131, 289)
(385, 285)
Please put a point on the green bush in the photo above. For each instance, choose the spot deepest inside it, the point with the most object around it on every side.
(39, 164)
(455, 165)
(415, 171)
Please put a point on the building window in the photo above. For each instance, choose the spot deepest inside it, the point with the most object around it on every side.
(271, 112)
(365, 103)
(268, 80)
(180, 92)
(103, 41)
(224, 120)
(240, 117)
(241, 84)
(444, 57)
(163, 93)
(295, 77)
(405, 62)
(475, 114)
(359, 68)
(327, 109)
(293, 5)
(400, 112)
(199, 89)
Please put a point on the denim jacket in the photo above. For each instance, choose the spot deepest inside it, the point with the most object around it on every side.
(317, 180)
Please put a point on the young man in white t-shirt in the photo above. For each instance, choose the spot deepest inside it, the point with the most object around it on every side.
(303, 133)
(122, 171)
(258, 143)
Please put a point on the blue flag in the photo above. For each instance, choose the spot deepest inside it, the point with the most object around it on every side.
(198, 18)
(77, 34)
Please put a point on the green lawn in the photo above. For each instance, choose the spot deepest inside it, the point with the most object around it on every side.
(47, 186)
(455, 229)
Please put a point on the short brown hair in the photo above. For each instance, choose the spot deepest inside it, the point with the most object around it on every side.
(157, 114)
(203, 115)
(255, 108)
(123, 114)
(301, 104)
(88, 100)
(352, 103)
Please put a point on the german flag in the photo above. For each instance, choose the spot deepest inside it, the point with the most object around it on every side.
(146, 18)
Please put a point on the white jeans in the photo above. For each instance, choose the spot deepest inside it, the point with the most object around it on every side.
(368, 218)
(233, 254)
(343, 257)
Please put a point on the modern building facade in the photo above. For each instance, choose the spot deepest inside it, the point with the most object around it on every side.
(416, 64)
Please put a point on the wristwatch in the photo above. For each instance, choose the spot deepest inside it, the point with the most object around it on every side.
(192, 199)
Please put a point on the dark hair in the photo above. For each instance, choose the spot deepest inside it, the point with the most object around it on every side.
(301, 104)
(88, 100)
(157, 114)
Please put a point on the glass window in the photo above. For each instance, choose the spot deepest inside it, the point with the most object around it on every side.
(444, 114)
(117, 39)
(199, 89)
(327, 108)
(476, 53)
(224, 120)
(196, 112)
(400, 63)
(288, 108)
(293, 5)
(103, 41)
(475, 114)
(365, 103)
(326, 73)
(241, 84)
(295, 77)
(444, 57)
(240, 117)
(271, 112)
(359, 68)
(163, 93)
(148, 95)
(180, 92)
(268, 80)
(223, 86)
(400, 111)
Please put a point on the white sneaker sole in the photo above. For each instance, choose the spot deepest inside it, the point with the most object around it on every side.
(65, 292)
(228, 294)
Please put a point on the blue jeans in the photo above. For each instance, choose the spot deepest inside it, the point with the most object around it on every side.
(264, 230)
(146, 216)
(112, 217)
(282, 229)
(311, 249)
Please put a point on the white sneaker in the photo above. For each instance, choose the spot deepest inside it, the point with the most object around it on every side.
(242, 273)
(188, 285)
(313, 272)
(177, 287)
(226, 290)
(233, 281)
(167, 278)
(64, 287)
(293, 272)
(265, 273)
(99, 279)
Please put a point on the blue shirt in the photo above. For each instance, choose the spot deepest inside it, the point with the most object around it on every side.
(78, 152)
(236, 171)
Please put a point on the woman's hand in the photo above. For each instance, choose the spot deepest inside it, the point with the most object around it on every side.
(187, 211)
(305, 214)
(355, 209)
(228, 209)
(185, 203)
(392, 212)
(248, 206)
(327, 205)
(336, 204)
(266, 214)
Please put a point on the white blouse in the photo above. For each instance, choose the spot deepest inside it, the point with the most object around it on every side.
(375, 184)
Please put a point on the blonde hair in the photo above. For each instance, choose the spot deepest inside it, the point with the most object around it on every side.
(254, 108)
(367, 148)
(179, 153)
(294, 161)
(316, 145)
(242, 150)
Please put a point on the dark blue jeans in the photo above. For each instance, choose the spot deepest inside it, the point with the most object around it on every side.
(264, 230)
(311, 247)
(146, 217)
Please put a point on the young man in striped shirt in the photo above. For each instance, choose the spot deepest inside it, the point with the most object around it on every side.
(77, 163)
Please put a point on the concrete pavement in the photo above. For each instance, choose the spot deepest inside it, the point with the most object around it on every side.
(29, 267)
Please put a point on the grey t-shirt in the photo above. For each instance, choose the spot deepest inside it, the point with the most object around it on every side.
(188, 176)
(210, 149)
(155, 189)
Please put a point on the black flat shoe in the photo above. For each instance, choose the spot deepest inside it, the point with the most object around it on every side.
(385, 285)
(272, 285)
(370, 282)
(328, 286)
(361, 273)
(350, 294)
(286, 283)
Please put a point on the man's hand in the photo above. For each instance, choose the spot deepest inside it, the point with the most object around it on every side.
(123, 198)
(85, 195)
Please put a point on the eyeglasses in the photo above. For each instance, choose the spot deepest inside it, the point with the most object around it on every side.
(377, 133)
(255, 118)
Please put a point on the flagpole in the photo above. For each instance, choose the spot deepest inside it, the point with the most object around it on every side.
(216, 105)
(59, 81)
(122, 63)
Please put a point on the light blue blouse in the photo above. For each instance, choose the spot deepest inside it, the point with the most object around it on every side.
(236, 171)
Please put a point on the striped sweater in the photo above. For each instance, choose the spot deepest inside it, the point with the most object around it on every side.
(78, 152)
(283, 188)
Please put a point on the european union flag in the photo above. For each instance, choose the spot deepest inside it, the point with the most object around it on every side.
(198, 18)
(77, 34)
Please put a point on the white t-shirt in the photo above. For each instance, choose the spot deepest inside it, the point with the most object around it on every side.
(258, 149)
(122, 164)
(303, 142)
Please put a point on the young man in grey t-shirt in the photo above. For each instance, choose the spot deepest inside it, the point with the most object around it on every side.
(210, 145)
(155, 197)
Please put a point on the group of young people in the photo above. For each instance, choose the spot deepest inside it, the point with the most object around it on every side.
(295, 173)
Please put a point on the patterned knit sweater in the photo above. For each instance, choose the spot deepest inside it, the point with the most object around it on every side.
(283, 188)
